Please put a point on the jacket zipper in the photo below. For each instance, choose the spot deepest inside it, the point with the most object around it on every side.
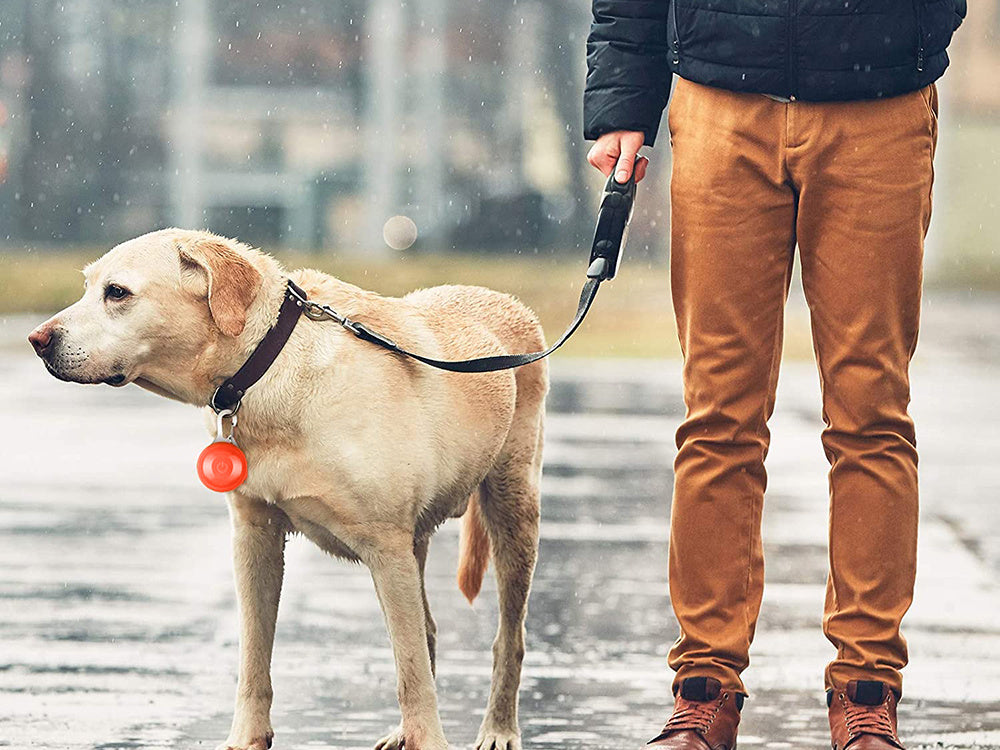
(793, 88)
(918, 8)
(676, 41)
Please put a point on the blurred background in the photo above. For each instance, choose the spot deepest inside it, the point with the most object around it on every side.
(305, 127)
(301, 124)
(398, 145)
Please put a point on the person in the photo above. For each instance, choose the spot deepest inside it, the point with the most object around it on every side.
(794, 122)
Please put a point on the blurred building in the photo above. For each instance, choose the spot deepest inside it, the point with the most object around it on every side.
(306, 123)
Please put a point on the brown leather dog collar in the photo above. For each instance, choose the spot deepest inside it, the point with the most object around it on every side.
(227, 397)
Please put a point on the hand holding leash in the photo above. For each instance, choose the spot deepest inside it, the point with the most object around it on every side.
(617, 152)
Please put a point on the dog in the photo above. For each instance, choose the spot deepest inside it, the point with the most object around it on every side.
(357, 448)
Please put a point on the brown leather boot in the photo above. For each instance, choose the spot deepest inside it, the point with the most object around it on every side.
(863, 717)
(705, 717)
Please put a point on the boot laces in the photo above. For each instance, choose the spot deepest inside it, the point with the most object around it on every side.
(864, 719)
(696, 715)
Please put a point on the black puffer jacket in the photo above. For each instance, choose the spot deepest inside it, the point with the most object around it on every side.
(814, 50)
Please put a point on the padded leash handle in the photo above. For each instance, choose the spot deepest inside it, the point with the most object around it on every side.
(611, 232)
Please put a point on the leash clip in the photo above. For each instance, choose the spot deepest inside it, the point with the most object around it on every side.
(315, 311)
(318, 311)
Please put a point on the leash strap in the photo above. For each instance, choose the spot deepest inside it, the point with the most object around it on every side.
(230, 393)
(479, 364)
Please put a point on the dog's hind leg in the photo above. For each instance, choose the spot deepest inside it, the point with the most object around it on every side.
(511, 512)
(420, 552)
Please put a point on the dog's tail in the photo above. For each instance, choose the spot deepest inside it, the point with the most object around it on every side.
(474, 548)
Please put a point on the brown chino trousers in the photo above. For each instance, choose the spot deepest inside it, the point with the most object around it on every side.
(850, 183)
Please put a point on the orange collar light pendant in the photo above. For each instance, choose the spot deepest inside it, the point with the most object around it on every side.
(222, 467)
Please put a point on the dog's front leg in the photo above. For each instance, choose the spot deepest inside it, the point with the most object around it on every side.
(396, 575)
(258, 560)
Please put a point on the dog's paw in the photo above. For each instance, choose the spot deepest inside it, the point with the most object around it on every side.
(392, 741)
(396, 740)
(493, 738)
(262, 742)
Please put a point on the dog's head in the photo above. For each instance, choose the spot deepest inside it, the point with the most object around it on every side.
(162, 309)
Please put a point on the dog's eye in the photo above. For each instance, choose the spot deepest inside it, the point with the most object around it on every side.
(113, 291)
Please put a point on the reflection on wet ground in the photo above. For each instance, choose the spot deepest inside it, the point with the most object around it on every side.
(118, 624)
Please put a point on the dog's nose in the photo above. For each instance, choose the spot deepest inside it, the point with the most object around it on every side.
(41, 339)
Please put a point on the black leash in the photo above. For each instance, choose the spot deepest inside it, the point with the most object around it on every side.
(316, 311)
(609, 239)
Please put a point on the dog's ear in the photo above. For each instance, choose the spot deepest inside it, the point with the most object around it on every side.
(233, 282)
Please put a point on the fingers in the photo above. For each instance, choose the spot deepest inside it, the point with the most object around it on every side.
(618, 151)
(630, 145)
(641, 164)
(626, 162)
(603, 155)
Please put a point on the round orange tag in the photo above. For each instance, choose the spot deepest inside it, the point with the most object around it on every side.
(222, 467)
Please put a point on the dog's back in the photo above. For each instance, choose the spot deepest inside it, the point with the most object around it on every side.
(511, 321)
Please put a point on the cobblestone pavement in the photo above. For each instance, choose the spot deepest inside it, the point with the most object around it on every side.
(118, 624)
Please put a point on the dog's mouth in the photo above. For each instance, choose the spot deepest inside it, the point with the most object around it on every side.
(59, 374)
(116, 380)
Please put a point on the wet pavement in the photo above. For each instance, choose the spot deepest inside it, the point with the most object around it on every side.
(118, 622)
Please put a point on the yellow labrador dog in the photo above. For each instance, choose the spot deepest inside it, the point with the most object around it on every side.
(359, 449)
